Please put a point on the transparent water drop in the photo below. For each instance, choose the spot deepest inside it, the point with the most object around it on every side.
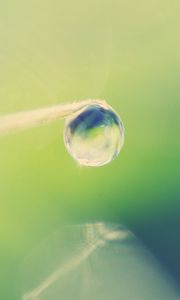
(95, 135)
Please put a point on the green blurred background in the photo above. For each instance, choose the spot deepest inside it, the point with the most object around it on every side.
(126, 52)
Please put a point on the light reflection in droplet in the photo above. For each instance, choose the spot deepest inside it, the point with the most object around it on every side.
(94, 136)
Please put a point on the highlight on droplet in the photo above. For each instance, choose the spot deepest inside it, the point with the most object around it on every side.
(95, 135)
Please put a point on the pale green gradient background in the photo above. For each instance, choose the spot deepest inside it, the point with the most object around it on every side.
(126, 52)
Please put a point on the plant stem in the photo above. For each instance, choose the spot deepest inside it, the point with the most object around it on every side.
(27, 119)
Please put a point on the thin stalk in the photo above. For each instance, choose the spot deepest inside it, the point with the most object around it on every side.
(31, 118)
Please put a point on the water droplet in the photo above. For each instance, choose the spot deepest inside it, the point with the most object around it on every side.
(95, 135)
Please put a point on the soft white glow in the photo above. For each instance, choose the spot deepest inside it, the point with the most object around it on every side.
(97, 261)
(96, 236)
